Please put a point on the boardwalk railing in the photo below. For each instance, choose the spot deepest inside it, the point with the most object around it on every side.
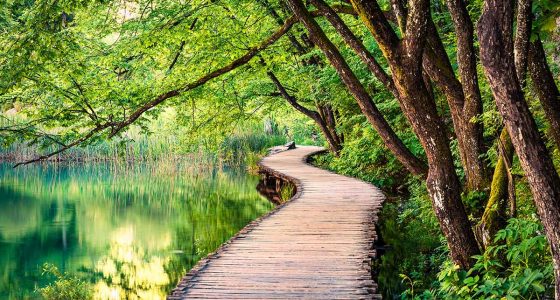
(319, 245)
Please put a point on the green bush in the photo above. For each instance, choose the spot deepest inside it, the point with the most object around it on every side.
(517, 266)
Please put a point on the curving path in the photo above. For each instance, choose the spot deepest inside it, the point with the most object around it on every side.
(317, 246)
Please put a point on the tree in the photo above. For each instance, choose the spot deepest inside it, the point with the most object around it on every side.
(495, 30)
(328, 132)
(419, 107)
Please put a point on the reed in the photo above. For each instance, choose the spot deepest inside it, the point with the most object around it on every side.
(244, 148)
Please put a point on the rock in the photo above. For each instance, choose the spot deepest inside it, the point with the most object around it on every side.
(290, 145)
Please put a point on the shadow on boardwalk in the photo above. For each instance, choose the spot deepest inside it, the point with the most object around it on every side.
(319, 245)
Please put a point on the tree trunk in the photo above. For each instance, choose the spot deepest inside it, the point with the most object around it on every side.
(494, 217)
(469, 134)
(496, 52)
(330, 120)
(443, 184)
(463, 109)
(502, 182)
(404, 58)
(522, 37)
(475, 169)
(374, 116)
(544, 85)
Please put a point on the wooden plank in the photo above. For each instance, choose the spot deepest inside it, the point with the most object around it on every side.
(319, 245)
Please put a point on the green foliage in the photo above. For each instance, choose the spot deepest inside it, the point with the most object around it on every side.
(65, 286)
(474, 200)
(365, 156)
(305, 133)
(164, 140)
(103, 59)
(546, 15)
(517, 266)
(415, 244)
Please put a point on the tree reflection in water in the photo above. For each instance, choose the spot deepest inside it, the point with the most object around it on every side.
(129, 272)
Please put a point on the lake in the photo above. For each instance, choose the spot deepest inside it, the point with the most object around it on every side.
(131, 230)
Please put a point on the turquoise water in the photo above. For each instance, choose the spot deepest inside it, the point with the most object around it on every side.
(131, 231)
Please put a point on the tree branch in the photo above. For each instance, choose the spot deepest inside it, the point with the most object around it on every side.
(62, 149)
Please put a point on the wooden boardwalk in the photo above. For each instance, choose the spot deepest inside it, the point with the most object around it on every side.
(317, 246)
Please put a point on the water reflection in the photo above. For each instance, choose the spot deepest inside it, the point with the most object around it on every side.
(132, 231)
(129, 272)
